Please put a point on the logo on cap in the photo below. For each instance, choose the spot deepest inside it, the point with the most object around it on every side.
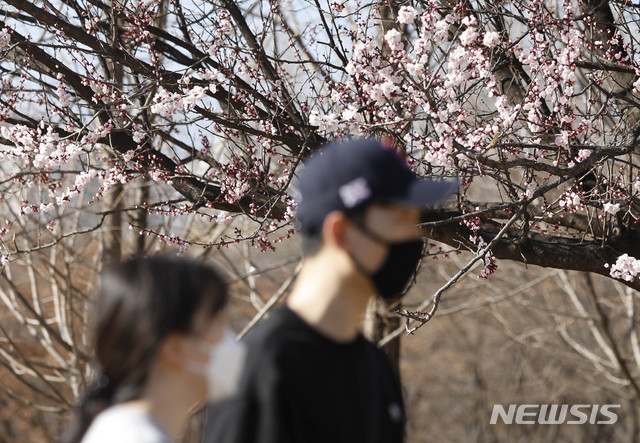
(354, 192)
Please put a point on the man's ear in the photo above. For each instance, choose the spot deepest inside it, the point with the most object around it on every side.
(171, 352)
(334, 228)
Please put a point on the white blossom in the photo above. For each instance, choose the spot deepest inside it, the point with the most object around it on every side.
(128, 156)
(415, 68)
(491, 39)
(611, 208)
(63, 95)
(5, 38)
(570, 200)
(224, 28)
(442, 29)
(84, 178)
(625, 268)
(393, 37)
(325, 123)
(505, 110)
(468, 36)
(191, 98)
(166, 102)
(139, 136)
(562, 139)
(530, 189)
(406, 15)
(349, 113)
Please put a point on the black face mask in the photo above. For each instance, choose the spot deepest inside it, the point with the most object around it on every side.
(398, 269)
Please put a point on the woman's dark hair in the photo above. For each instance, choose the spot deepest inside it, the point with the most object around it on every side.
(139, 302)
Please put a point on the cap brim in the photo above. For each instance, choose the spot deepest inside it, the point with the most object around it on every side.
(427, 192)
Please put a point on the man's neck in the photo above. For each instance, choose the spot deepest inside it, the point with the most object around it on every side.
(329, 300)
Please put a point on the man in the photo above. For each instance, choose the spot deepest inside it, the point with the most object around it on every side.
(310, 375)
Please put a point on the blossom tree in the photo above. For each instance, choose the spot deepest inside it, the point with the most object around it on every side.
(531, 103)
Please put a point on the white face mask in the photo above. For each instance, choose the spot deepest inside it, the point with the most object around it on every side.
(223, 371)
(225, 366)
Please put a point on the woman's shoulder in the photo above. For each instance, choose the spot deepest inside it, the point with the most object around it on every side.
(125, 424)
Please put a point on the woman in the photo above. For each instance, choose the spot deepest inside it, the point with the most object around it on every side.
(161, 348)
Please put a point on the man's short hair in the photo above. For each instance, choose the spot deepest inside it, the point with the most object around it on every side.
(312, 240)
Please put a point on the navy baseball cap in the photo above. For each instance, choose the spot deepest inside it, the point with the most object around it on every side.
(349, 174)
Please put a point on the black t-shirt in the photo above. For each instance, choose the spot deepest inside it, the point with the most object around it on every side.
(299, 386)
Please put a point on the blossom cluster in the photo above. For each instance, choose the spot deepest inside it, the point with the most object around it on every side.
(43, 151)
(5, 37)
(166, 103)
(625, 268)
(509, 109)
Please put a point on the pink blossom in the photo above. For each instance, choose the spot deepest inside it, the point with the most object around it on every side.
(63, 95)
(468, 36)
(388, 88)
(570, 200)
(455, 78)
(530, 189)
(93, 136)
(375, 93)
(224, 28)
(165, 102)
(46, 207)
(213, 49)
(361, 49)
(625, 268)
(458, 58)
(184, 248)
(91, 23)
(582, 155)
(139, 136)
(505, 110)
(389, 74)
(416, 69)
(490, 266)
(562, 139)
(325, 123)
(351, 68)
(159, 176)
(534, 121)
(470, 21)
(420, 45)
(406, 15)
(5, 37)
(393, 37)
(491, 39)
(442, 29)
(234, 190)
(191, 98)
(349, 113)
(128, 156)
(611, 208)
(84, 178)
